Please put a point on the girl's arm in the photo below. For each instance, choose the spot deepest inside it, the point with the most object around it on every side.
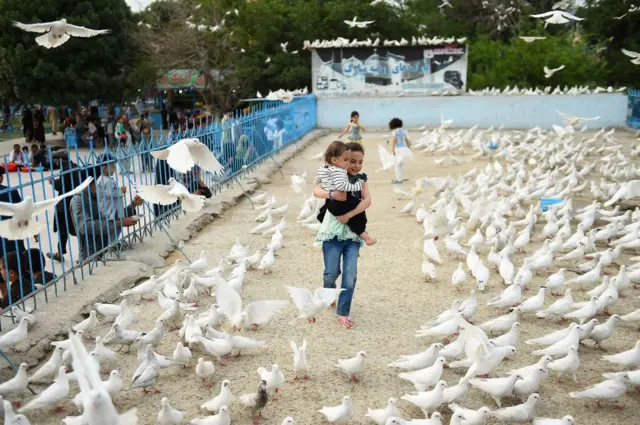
(319, 192)
(362, 128)
(393, 145)
(344, 131)
(364, 204)
(340, 181)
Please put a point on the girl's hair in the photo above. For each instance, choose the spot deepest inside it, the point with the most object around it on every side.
(395, 123)
(355, 147)
(354, 114)
(334, 150)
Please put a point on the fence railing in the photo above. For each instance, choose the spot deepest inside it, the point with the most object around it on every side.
(97, 224)
(633, 112)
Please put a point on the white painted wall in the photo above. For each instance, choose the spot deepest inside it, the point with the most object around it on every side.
(467, 111)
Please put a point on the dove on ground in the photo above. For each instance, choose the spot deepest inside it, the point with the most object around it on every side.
(428, 400)
(427, 377)
(168, 415)
(420, 360)
(52, 395)
(380, 416)
(339, 415)
(16, 335)
(300, 359)
(629, 358)
(610, 389)
(497, 387)
(353, 366)
(519, 414)
(224, 398)
(18, 383)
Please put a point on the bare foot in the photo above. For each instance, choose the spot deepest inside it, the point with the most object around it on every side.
(368, 239)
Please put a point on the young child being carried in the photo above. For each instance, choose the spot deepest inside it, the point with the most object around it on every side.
(332, 177)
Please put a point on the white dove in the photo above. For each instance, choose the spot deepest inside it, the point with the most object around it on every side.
(300, 359)
(420, 360)
(22, 225)
(548, 72)
(427, 377)
(58, 32)
(610, 389)
(274, 378)
(339, 415)
(183, 155)
(17, 384)
(168, 415)
(380, 416)
(427, 400)
(557, 17)
(355, 23)
(521, 413)
(352, 366)
(254, 314)
(497, 387)
(169, 194)
(629, 358)
(224, 398)
(310, 304)
(52, 395)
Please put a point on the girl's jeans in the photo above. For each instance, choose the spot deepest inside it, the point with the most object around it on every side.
(332, 250)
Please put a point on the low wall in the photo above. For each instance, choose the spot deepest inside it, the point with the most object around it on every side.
(467, 111)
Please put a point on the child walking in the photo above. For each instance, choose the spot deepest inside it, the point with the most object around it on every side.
(332, 177)
(400, 145)
(353, 128)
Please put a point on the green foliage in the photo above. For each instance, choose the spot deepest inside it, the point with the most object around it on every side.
(80, 69)
(498, 64)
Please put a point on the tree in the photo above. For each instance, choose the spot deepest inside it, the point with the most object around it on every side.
(177, 35)
(78, 71)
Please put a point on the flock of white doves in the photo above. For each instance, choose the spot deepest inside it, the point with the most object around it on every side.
(560, 164)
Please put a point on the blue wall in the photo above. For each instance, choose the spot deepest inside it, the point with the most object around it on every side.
(467, 111)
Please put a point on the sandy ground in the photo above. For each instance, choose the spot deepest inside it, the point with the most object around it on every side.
(391, 302)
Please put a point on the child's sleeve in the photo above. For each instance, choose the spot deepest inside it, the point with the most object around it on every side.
(317, 179)
(340, 182)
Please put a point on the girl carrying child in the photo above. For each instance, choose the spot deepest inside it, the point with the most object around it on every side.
(339, 243)
(332, 177)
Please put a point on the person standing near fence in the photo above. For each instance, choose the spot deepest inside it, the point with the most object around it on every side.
(110, 196)
(38, 125)
(11, 196)
(52, 117)
(27, 124)
(69, 179)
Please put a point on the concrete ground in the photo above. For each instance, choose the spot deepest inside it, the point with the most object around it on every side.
(391, 302)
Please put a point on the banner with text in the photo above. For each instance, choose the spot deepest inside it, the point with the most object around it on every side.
(373, 71)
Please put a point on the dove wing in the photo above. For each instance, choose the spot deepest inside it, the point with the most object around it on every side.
(633, 189)
(327, 295)
(156, 194)
(631, 54)
(301, 297)
(162, 154)
(386, 159)
(42, 27)
(546, 69)
(205, 158)
(228, 300)
(260, 312)
(543, 15)
(83, 32)
(8, 209)
(42, 206)
(621, 193)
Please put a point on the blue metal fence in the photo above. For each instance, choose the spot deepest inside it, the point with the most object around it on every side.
(633, 114)
(82, 231)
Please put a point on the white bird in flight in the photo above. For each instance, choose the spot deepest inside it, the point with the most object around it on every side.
(532, 39)
(355, 23)
(548, 72)
(58, 32)
(185, 154)
(22, 225)
(168, 194)
(635, 56)
(557, 17)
